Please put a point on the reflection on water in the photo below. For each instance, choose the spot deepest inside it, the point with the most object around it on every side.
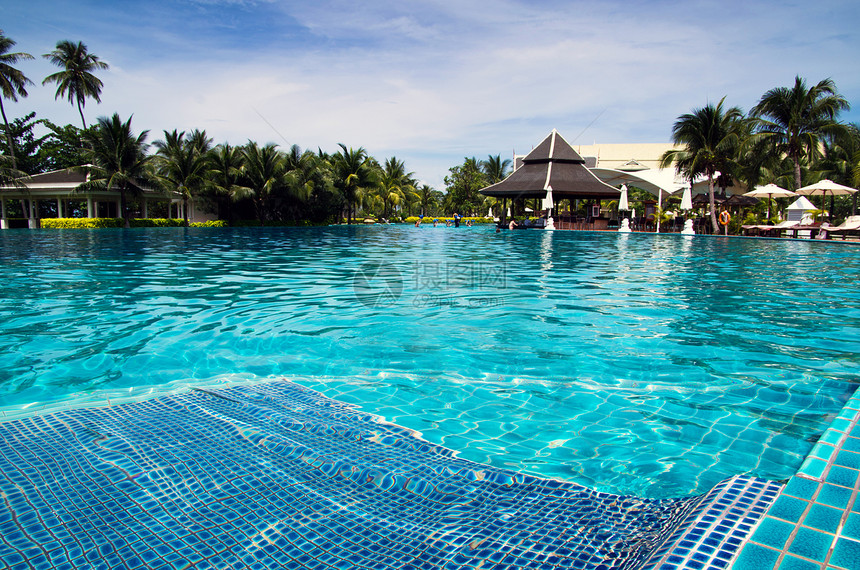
(656, 365)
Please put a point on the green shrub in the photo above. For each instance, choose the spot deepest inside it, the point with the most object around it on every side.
(156, 223)
(81, 223)
(210, 224)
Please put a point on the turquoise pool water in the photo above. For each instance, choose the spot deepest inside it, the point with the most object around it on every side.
(652, 365)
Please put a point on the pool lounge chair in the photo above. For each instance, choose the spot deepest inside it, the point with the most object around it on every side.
(776, 229)
(849, 227)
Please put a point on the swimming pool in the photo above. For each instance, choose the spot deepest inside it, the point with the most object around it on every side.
(635, 364)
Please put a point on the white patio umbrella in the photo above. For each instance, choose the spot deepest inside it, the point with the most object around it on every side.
(770, 191)
(824, 188)
(623, 206)
(687, 199)
(547, 202)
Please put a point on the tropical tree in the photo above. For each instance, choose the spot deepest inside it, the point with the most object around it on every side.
(840, 161)
(353, 174)
(793, 120)
(394, 184)
(61, 147)
(429, 199)
(182, 165)
(710, 137)
(463, 184)
(13, 83)
(76, 81)
(263, 173)
(495, 168)
(117, 159)
(225, 174)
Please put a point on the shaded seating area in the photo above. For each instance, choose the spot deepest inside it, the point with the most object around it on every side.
(554, 171)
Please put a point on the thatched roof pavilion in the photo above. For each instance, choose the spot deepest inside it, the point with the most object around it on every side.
(552, 165)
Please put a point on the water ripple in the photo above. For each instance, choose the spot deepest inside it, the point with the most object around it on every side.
(642, 364)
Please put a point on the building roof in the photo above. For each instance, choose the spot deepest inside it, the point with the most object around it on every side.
(552, 165)
(63, 184)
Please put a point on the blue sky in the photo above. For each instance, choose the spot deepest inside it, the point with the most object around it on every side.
(432, 81)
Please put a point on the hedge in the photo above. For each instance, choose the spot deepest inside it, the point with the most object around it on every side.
(85, 223)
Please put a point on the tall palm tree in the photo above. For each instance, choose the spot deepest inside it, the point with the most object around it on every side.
(353, 174)
(13, 83)
(225, 163)
(263, 172)
(117, 159)
(841, 160)
(710, 137)
(394, 184)
(76, 81)
(182, 165)
(495, 168)
(792, 120)
(428, 198)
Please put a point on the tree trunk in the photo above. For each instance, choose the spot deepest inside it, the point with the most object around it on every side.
(713, 203)
(81, 111)
(185, 210)
(797, 181)
(122, 206)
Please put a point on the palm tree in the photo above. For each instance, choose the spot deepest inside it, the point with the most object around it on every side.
(182, 165)
(495, 168)
(711, 137)
(225, 163)
(263, 173)
(841, 161)
(793, 120)
(13, 83)
(76, 81)
(394, 184)
(353, 174)
(428, 198)
(117, 159)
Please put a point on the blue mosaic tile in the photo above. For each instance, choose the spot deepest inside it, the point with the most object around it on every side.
(834, 496)
(852, 444)
(846, 554)
(755, 557)
(813, 467)
(848, 459)
(810, 544)
(794, 563)
(788, 508)
(773, 532)
(802, 488)
(852, 526)
(823, 518)
(843, 476)
(274, 475)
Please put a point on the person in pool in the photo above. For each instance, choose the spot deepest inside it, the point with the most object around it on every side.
(513, 224)
(456, 220)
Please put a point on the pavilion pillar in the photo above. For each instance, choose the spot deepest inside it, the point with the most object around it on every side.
(60, 208)
(31, 221)
(145, 208)
(91, 207)
(119, 212)
(4, 223)
(504, 211)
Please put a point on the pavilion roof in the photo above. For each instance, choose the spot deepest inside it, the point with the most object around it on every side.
(552, 165)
